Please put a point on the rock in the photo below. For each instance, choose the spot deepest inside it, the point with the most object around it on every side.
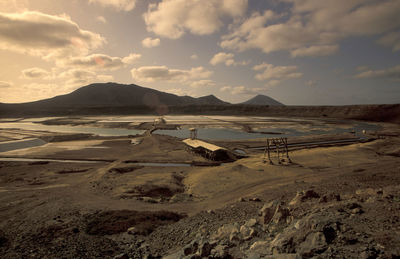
(315, 243)
(132, 231)
(281, 214)
(255, 199)
(220, 251)
(121, 256)
(283, 256)
(226, 232)
(368, 191)
(260, 247)
(241, 199)
(267, 212)
(205, 249)
(251, 223)
(303, 196)
(282, 243)
(329, 198)
(210, 212)
(310, 194)
(297, 199)
(356, 211)
(247, 232)
(191, 248)
(353, 205)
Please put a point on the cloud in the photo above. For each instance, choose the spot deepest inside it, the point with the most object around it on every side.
(227, 59)
(270, 71)
(240, 90)
(77, 77)
(311, 24)
(392, 74)
(4, 84)
(150, 43)
(35, 72)
(272, 83)
(119, 5)
(163, 73)
(172, 18)
(324, 50)
(391, 40)
(194, 57)
(100, 61)
(47, 36)
(202, 83)
(101, 19)
(177, 91)
(222, 57)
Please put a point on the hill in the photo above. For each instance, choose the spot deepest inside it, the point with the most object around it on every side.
(262, 100)
(120, 95)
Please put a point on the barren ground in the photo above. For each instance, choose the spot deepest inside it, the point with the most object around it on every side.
(115, 208)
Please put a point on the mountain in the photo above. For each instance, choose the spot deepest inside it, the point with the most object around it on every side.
(210, 100)
(119, 95)
(262, 100)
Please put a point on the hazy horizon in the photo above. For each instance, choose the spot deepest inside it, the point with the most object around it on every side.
(302, 52)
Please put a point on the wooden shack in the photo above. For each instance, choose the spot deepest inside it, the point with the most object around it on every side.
(209, 151)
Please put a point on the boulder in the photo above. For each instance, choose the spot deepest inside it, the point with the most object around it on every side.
(315, 243)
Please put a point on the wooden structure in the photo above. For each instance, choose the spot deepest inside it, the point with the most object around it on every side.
(277, 144)
(209, 151)
(193, 133)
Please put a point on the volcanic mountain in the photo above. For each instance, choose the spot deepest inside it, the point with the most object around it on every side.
(120, 95)
(262, 100)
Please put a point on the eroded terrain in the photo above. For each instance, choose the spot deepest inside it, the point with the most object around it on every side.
(149, 195)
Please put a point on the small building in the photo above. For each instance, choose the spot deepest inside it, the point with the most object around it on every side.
(209, 151)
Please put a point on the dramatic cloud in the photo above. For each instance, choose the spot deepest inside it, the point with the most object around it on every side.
(150, 42)
(45, 35)
(270, 71)
(222, 57)
(34, 73)
(100, 61)
(315, 27)
(120, 5)
(4, 84)
(172, 18)
(324, 50)
(163, 73)
(392, 74)
(202, 83)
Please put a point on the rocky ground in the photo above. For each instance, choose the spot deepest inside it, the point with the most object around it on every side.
(331, 202)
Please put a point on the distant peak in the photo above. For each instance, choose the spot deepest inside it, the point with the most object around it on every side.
(261, 99)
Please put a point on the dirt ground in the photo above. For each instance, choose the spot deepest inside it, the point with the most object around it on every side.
(117, 208)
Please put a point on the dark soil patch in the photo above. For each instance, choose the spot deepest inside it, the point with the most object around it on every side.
(39, 163)
(124, 170)
(73, 171)
(118, 221)
(153, 191)
(160, 191)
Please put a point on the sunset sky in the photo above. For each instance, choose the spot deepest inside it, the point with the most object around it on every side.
(300, 52)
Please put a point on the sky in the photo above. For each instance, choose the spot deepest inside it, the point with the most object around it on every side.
(299, 52)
